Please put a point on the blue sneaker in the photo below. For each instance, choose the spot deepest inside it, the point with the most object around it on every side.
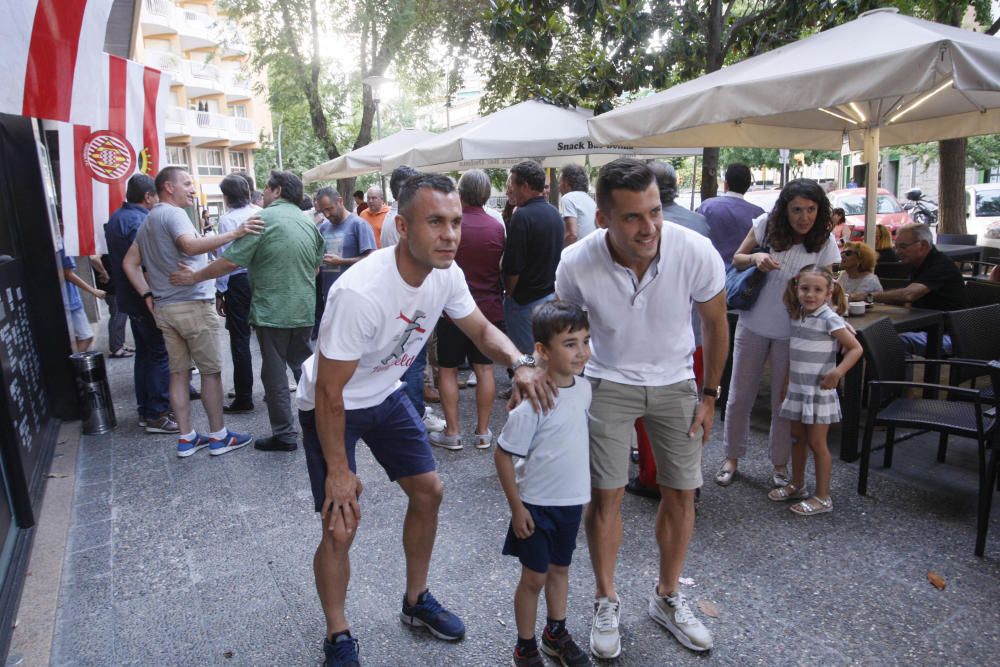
(186, 448)
(230, 442)
(341, 653)
(428, 613)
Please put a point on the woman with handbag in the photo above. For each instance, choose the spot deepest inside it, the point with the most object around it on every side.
(795, 234)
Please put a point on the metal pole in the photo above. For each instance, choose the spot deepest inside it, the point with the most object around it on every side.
(378, 135)
(871, 182)
(694, 180)
(280, 124)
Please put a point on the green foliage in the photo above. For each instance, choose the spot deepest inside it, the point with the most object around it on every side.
(982, 152)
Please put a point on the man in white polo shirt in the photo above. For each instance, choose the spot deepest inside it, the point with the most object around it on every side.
(638, 278)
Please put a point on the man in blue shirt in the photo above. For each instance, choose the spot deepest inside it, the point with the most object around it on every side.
(730, 216)
(151, 370)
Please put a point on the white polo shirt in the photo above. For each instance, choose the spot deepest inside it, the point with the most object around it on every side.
(640, 332)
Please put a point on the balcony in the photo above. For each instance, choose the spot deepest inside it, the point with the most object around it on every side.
(159, 17)
(205, 127)
(202, 79)
(166, 61)
(243, 131)
(238, 86)
(197, 30)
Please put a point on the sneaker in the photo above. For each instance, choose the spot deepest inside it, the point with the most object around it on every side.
(528, 659)
(432, 421)
(272, 444)
(186, 448)
(231, 441)
(143, 422)
(673, 613)
(471, 381)
(341, 653)
(452, 442)
(605, 640)
(238, 408)
(483, 440)
(428, 613)
(564, 649)
(162, 425)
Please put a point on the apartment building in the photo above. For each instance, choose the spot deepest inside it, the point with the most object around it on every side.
(215, 119)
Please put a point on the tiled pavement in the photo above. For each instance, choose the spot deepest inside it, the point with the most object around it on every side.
(208, 560)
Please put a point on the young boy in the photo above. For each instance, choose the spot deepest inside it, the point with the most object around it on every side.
(549, 484)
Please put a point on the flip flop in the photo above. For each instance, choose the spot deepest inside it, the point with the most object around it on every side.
(122, 354)
(806, 509)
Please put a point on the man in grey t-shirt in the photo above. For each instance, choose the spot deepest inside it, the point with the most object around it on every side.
(576, 206)
(185, 314)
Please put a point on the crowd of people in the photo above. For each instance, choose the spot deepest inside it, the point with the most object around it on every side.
(609, 314)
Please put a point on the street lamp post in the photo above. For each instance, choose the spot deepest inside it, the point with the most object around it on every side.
(376, 83)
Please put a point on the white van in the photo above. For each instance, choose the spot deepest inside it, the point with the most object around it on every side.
(982, 213)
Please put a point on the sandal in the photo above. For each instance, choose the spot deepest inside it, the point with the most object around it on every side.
(725, 476)
(122, 354)
(787, 492)
(779, 478)
(807, 508)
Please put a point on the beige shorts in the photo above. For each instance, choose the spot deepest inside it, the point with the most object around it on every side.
(667, 411)
(192, 331)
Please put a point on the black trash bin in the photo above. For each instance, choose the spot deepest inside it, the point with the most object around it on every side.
(95, 394)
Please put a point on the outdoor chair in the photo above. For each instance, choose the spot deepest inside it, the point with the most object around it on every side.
(956, 239)
(892, 270)
(889, 406)
(982, 293)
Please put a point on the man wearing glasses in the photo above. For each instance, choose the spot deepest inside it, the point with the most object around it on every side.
(935, 281)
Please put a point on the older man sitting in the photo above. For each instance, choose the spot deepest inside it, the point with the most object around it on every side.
(935, 281)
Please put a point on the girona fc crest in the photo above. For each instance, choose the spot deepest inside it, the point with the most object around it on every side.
(109, 156)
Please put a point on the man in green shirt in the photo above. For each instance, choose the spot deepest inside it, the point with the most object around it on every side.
(282, 263)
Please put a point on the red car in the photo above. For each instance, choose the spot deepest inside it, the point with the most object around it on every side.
(888, 212)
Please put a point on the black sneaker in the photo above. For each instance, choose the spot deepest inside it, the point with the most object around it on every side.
(273, 444)
(564, 649)
(341, 653)
(193, 394)
(528, 658)
(238, 408)
(428, 613)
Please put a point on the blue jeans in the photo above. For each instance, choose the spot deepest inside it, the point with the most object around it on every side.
(413, 381)
(517, 318)
(151, 371)
(915, 342)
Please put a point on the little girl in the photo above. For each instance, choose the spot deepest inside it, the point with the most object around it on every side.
(811, 401)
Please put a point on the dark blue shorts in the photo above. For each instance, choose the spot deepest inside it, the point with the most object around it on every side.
(553, 541)
(393, 432)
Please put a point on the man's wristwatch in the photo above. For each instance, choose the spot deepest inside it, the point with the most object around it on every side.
(714, 392)
(146, 295)
(523, 360)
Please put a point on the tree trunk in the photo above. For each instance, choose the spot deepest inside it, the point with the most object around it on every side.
(713, 61)
(951, 186)
(345, 186)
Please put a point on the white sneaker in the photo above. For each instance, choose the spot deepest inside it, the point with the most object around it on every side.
(483, 440)
(605, 640)
(471, 381)
(433, 423)
(453, 442)
(673, 613)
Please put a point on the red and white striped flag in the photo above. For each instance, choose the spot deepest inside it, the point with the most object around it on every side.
(50, 50)
(96, 160)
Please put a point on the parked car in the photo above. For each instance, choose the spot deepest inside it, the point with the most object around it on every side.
(888, 212)
(982, 213)
(763, 198)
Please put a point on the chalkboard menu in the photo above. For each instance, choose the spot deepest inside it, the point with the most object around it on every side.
(23, 391)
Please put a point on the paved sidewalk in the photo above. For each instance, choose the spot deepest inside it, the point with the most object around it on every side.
(208, 561)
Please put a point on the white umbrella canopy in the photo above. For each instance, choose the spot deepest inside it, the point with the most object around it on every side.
(883, 78)
(366, 159)
(555, 136)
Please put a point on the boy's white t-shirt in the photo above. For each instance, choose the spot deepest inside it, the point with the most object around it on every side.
(375, 317)
(552, 464)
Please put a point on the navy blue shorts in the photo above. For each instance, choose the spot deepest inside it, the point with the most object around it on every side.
(393, 432)
(553, 541)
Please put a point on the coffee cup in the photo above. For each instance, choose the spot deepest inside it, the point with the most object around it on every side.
(856, 308)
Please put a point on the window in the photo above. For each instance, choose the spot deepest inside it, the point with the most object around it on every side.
(238, 110)
(237, 161)
(209, 162)
(177, 156)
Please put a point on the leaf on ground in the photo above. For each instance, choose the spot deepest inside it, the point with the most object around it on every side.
(686, 581)
(56, 475)
(227, 655)
(937, 581)
(708, 608)
(502, 622)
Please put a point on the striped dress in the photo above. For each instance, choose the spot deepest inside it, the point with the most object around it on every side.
(812, 354)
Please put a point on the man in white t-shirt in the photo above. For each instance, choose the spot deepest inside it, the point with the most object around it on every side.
(378, 316)
(638, 278)
(576, 207)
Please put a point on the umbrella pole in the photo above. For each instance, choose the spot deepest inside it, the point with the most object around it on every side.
(694, 179)
(871, 156)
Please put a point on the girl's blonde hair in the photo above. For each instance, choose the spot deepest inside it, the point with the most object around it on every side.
(883, 239)
(791, 297)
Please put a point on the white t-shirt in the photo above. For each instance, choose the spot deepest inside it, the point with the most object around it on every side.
(552, 464)
(579, 205)
(769, 317)
(372, 315)
(640, 333)
(389, 236)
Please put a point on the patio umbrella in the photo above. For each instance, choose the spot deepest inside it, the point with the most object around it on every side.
(555, 136)
(882, 79)
(366, 159)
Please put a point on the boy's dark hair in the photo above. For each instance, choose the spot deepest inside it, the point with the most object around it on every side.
(306, 203)
(622, 174)
(418, 181)
(291, 186)
(555, 317)
(138, 187)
